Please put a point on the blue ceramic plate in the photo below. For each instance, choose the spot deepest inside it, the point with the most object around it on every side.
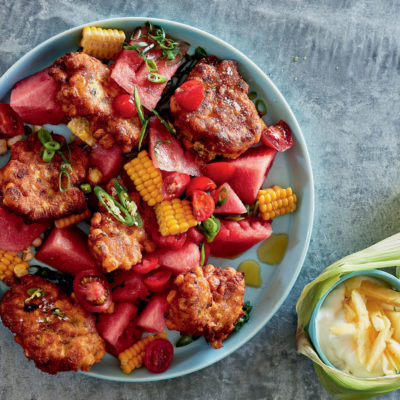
(290, 169)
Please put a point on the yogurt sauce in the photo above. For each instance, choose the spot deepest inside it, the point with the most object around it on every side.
(340, 350)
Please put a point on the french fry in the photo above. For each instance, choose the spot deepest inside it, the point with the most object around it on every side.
(393, 362)
(394, 317)
(349, 313)
(394, 348)
(361, 334)
(343, 329)
(378, 292)
(379, 345)
(352, 284)
(376, 315)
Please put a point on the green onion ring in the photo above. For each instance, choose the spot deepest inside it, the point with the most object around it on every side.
(221, 201)
(63, 171)
(52, 145)
(210, 228)
(156, 78)
(44, 136)
(261, 107)
(47, 155)
(252, 95)
(151, 64)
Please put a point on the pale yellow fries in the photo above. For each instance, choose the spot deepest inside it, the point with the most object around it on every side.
(374, 322)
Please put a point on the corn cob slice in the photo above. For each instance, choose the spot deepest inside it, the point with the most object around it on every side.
(276, 201)
(11, 264)
(72, 219)
(132, 357)
(80, 127)
(102, 43)
(174, 216)
(146, 177)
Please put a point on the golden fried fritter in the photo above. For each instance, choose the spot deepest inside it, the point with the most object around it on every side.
(206, 302)
(56, 334)
(30, 186)
(87, 90)
(227, 122)
(113, 244)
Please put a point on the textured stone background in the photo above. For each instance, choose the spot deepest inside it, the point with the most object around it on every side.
(346, 97)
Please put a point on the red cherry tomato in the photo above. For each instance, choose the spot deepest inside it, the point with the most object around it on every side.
(190, 95)
(203, 205)
(200, 183)
(125, 106)
(158, 356)
(149, 262)
(172, 242)
(158, 281)
(278, 136)
(92, 290)
(10, 123)
(173, 184)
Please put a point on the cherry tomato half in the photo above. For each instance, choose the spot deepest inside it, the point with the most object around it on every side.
(203, 205)
(92, 290)
(200, 183)
(158, 281)
(125, 106)
(149, 262)
(10, 122)
(173, 184)
(278, 136)
(158, 356)
(190, 95)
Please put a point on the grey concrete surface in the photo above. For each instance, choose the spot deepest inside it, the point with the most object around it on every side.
(345, 92)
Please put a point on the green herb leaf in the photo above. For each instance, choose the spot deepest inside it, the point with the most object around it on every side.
(244, 318)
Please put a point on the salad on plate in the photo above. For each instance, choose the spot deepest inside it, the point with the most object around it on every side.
(166, 166)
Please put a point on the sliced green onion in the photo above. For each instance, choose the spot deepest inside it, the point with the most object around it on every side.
(159, 143)
(136, 46)
(210, 228)
(139, 106)
(143, 133)
(202, 254)
(114, 207)
(234, 217)
(63, 171)
(86, 188)
(52, 145)
(146, 50)
(255, 208)
(151, 64)
(47, 155)
(44, 136)
(128, 203)
(252, 95)
(186, 339)
(34, 293)
(222, 200)
(56, 311)
(200, 52)
(261, 107)
(166, 123)
(156, 78)
(244, 318)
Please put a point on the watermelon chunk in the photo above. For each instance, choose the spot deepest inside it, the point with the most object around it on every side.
(220, 172)
(112, 326)
(169, 156)
(109, 161)
(232, 205)
(182, 260)
(251, 170)
(66, 249)
(152, 318)
(34, 99)
(128, 286)
(235, 237)
(130, 335)
(130, 70)
(15, 235)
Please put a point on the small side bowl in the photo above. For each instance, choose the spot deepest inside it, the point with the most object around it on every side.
(389, 279)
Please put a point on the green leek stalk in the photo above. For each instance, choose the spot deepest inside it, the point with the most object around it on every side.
(340, 384)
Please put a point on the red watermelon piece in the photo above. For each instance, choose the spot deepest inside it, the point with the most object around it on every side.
(152, 318)
(15, 235)
(232, 205)
(235, 237)
(34, 99)
(180, 261)
(169, 156)
(67, 250)
(130, 70)
(251, 170)
(109, 161)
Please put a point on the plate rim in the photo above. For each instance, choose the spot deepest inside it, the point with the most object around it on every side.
(299, 139)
